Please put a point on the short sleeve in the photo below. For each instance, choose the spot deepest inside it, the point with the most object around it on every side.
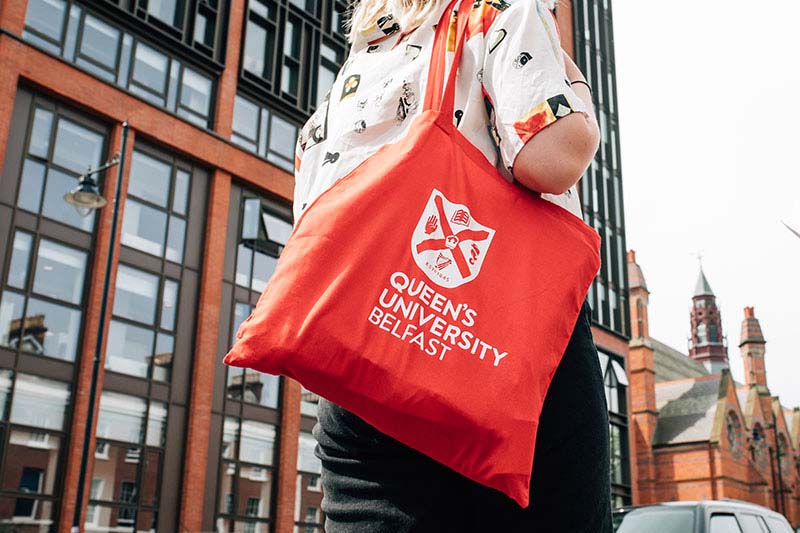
(523, 76)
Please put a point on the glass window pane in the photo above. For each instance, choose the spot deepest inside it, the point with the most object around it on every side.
(59, 272)
(196, 92)
(77, 148)
(252, 209)
(156, 424)
(51, 330)
(5, 391)
(20, 258)
(277, 230)
(46, 17)
(149, 491)
(129, 349)
(257, 442)
(175, 239)
(121, 417)
(181, 195)
(162, 361)
(245, 118)
(23, 508)
(39, 402)
(230, 435)
(282, 137)
(55, 207)
(169, 303)
(226, 486)
(263, 268)
(724, 523)
(255, 45)
(306, 460)
(255, 500)
(150, 68)
(165, 10)
(31, 462)
(244, 260)
(261, 388)
(11, 319)
(40, 134)
(325, 79)
(144, 228)
(31, 186)
(100, 41)
(136, 295)
(240, 313)
(150, 179)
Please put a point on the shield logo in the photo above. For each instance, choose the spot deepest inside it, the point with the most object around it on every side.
(448, 244)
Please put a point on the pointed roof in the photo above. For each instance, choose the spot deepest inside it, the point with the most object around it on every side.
(702, 288)
(635, 274)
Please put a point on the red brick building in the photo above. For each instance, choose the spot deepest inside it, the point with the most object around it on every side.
(698, 434)
(213, 92)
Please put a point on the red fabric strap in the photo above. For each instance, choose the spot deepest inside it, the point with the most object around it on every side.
(440, 95)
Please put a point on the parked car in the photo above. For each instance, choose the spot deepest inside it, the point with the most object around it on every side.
(711, 516)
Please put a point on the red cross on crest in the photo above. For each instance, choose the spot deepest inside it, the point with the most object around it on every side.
(449, 257)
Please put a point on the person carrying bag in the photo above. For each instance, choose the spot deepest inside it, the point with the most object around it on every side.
(433, 303)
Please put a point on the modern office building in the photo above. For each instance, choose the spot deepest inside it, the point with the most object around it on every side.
(213, 92)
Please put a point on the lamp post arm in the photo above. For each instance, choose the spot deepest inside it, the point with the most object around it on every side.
(87, 435)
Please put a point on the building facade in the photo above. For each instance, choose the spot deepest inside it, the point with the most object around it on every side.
(698, 434)
(213, 92)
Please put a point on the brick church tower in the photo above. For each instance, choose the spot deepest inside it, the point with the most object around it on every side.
(707, 344)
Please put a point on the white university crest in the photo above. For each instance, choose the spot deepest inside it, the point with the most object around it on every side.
(448, 244)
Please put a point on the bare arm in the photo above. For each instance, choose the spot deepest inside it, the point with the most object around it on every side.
(554, 160)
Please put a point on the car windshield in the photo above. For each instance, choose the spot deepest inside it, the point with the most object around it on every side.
(658, 520)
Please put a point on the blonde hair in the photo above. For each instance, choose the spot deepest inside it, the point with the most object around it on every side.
(408, 13)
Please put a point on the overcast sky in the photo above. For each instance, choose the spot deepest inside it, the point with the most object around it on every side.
(708, 95)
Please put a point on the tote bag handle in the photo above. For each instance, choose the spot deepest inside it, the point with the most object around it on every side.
(440, 96)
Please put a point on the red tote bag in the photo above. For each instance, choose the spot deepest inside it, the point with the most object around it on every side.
(429, 296)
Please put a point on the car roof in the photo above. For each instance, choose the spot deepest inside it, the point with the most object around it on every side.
(717, 504)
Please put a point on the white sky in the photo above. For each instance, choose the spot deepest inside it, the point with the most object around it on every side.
(708, 96)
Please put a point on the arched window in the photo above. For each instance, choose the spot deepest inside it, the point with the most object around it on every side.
(734, 433)
(713, 333)
(758, 444)
(702, 336)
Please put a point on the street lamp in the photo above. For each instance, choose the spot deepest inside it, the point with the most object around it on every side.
(86, 198)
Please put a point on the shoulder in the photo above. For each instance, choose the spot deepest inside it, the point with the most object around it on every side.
(485, 15)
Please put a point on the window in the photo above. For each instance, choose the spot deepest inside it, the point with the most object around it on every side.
(758, 446)
(120, 58)
(46, 320)
(156, 208)
(734, 433)
(308, 493)
(257, 129)
(131, 431)
(778, 525)
(257, 230)
(34, 428)
(246, 472)
(294, 52)
(141, 334)
(615, 382)
(59, 150)
(724, 523)
(751, 524)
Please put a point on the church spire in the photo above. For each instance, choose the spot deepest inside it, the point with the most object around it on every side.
(707, 344)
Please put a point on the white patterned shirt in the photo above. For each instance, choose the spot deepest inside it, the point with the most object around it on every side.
(511, 84)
